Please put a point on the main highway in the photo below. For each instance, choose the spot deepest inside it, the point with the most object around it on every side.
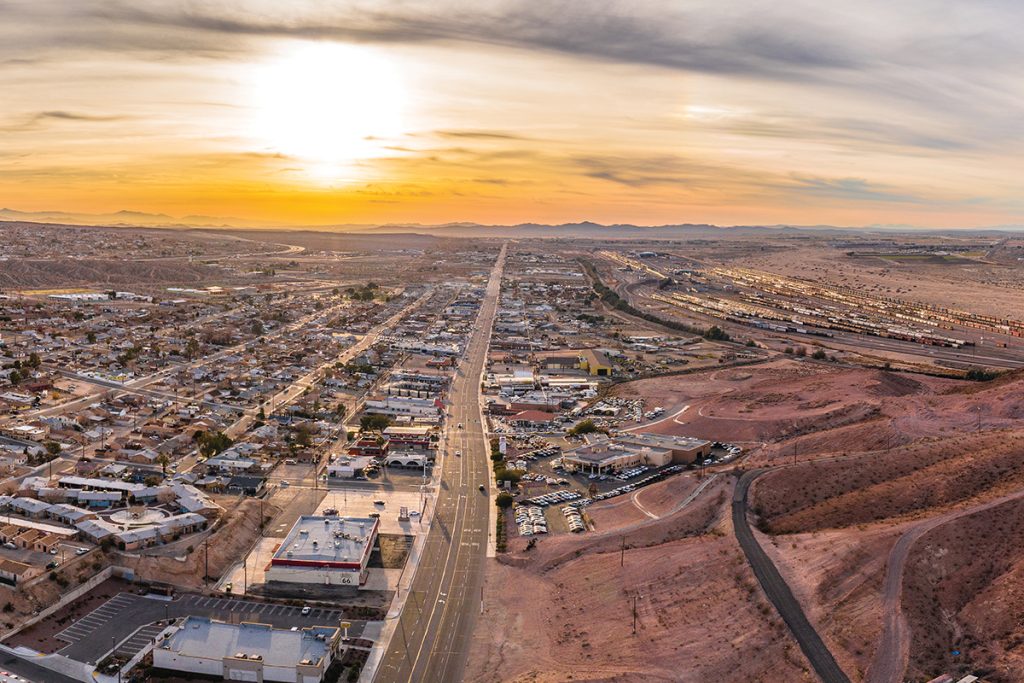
(433, 630)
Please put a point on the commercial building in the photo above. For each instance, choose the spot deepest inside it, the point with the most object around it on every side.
(248, 652)
(401, 406)
(628, 450)
(348, 467)
(325, 550)
(415, 437)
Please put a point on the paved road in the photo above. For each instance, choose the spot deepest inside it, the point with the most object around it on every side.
(296, 389)
(32, 673)
(778, 592)
(892, 653)
(431, 640)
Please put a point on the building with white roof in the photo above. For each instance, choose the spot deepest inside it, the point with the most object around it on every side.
(325, 550)
(248, 652)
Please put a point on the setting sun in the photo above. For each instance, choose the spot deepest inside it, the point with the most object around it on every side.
(329, 106)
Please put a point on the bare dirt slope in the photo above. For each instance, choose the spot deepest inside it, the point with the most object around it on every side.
(564, 611)
(232, 538)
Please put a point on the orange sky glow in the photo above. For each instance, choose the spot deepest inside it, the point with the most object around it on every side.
(327, 113)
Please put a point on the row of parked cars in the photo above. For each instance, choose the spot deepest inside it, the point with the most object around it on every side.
(554, 497)
(545, 452)
(550, 481)
(574, 519)
(530, 520)
(629, 488)
(627, 474)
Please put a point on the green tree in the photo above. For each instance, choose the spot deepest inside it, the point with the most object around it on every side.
(716, 333)
(192, 348)
(304, 435)
(53, 448)
(512, 476)
(504, 500)
(582, 427)
(34, 361)
(164, 460)
(211, 443)
(374, 423)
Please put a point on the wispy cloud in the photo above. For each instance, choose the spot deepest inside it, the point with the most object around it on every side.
(40, 119)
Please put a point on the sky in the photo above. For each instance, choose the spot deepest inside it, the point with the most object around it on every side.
(313, 112)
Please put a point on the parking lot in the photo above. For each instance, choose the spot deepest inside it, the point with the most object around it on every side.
(361, 502)
(131, 621)
(552, 498)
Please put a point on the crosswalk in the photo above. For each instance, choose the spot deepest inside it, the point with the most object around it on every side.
(85, 626)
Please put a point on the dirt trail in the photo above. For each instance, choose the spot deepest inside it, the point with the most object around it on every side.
(893, 651)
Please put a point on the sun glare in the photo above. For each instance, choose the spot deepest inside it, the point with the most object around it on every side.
(328, 106)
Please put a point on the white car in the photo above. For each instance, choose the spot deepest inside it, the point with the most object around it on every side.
(306, 610)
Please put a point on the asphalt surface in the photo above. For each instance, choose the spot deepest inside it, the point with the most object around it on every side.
(116, 621)
(432, 637)
(31, 673)
(778, 592)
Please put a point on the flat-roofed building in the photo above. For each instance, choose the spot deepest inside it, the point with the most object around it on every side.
(325, 550)
(629, 450)
(248, 651)
(408, 437)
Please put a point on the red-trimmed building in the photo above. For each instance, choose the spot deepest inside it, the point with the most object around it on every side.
(325, 550)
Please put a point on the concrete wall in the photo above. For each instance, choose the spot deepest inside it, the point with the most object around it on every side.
(172, 661)
(324, 577)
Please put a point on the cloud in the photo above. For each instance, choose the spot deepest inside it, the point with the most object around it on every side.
(657, 33)
(855, 189)
(40, 119)
(478, 135)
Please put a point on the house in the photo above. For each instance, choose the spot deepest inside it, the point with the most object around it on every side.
(12, 573)
(246, 484)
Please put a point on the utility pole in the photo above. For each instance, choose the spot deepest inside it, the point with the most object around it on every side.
(634, 615)
(206, 571)
(622, 555)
